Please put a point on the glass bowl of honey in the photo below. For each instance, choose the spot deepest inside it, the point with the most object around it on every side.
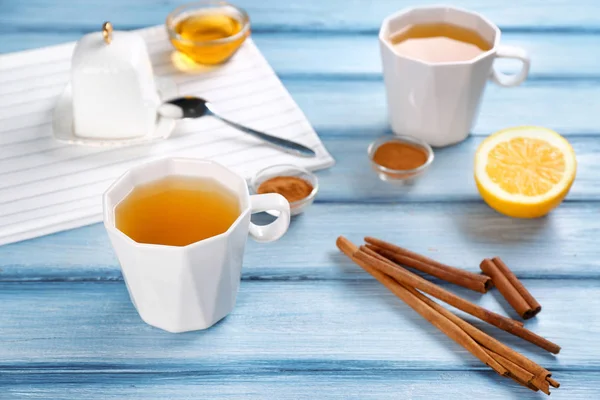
(400, 158)
(208, 32)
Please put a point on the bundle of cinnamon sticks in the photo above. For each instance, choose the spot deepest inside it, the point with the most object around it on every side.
(496, 273)
(469, 280)
(410, 288)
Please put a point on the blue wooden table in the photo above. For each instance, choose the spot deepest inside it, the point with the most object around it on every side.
(309, 324)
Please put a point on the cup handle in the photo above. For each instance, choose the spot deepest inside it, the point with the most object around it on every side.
(517, 53)
(276, 229)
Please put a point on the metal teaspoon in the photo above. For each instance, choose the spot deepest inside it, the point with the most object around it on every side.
(195, 107)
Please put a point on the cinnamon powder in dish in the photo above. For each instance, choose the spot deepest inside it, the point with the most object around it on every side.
(290, 187)
(400, 156)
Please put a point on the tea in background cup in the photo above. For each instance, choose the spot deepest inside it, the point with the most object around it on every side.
(436, 62)
(439, 42)
(179, 229)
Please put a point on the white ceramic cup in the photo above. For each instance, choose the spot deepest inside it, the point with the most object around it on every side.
(439, 102)
(192, 287)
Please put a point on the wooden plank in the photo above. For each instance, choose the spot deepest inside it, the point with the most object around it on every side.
(277, 325)
(12, 42)
(60, 383)
(559, 246)
(358, 56)
(349, 96)
(553, 55)
(450, 177)
(353, 180)
(58, 15)
(359, 107)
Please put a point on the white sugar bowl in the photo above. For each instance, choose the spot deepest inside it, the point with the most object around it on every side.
(114, 95)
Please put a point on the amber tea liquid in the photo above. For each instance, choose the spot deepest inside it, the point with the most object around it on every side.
(177, 211)
(439, 42)
(199, 29)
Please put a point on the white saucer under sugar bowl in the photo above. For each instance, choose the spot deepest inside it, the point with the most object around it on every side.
(113, 96)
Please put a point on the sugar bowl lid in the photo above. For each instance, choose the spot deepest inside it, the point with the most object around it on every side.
(110, 49)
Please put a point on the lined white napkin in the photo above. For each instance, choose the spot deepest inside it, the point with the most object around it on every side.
(47, 186)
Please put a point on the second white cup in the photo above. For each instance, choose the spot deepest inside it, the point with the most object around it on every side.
(439, 102)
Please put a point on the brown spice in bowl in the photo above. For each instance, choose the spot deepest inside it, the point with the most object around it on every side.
(399, 156)
(290, 187)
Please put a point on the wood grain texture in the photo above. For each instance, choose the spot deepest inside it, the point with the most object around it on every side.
(67, 383)
(357, 55)
(278, 324)
(308, 321)
(358, 107)
(453, 166)
(460, 234)
(351, 107)
(308, 54)
(273, 15)
(353, 179)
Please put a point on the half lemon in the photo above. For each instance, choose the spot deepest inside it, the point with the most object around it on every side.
(524, 172)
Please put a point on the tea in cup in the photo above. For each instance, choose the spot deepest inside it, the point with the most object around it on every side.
(177, 211)
(436, 62)
(179, 228)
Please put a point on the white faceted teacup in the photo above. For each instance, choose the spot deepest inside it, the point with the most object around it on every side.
(186, 288)
(439, 102)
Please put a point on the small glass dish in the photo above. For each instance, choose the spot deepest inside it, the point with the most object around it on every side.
(296, 207)
(400, 175)
(208, 32)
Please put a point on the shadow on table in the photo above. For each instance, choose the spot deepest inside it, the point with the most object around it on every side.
(490, 226)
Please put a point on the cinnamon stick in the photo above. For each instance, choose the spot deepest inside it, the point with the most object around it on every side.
(527, 385)
(477, 282)
(441, 273)
(552, 382)
(435, 318)
(518, 285)
(408, 278)
(511, 288)
(515, 371)
(541, 375)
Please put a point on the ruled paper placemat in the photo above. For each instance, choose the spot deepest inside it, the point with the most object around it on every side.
(47, 186)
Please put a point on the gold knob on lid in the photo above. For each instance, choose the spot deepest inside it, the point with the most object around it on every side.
(107, 30)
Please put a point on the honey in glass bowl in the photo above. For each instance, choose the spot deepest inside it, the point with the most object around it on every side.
(208, 32)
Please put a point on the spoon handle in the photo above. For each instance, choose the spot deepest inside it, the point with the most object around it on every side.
(286, 145)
